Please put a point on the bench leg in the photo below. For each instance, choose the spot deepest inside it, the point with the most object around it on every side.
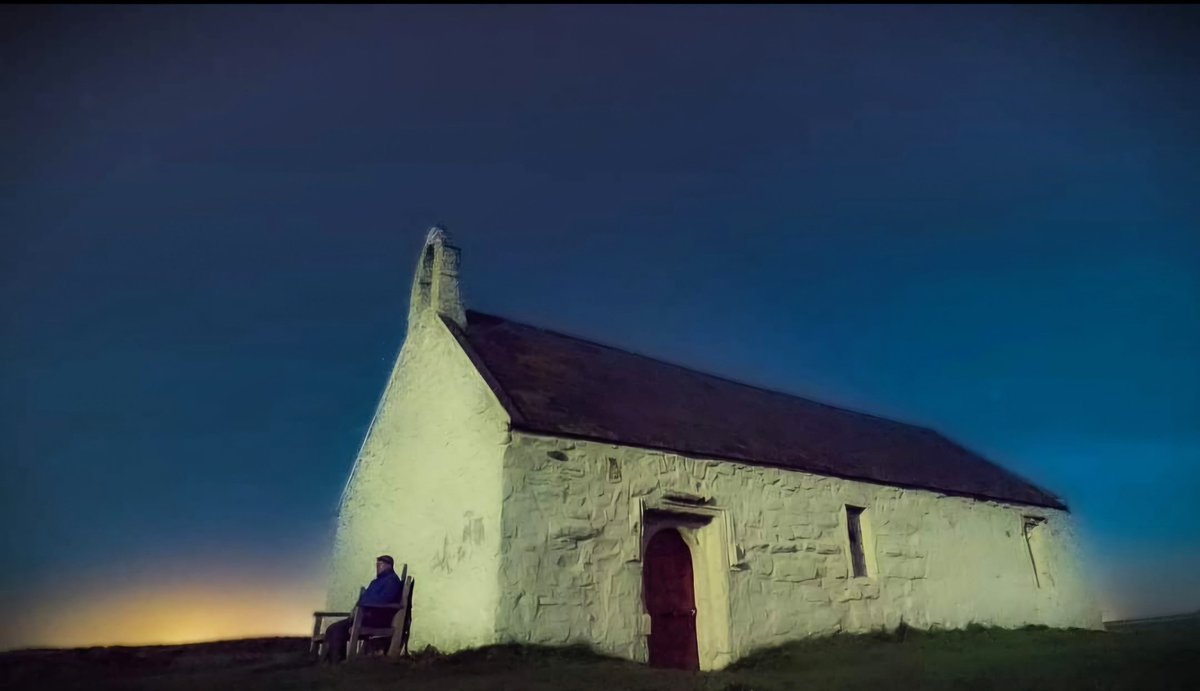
(355, 630)
(396, 647)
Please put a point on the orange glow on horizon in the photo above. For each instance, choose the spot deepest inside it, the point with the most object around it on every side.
(179, 612)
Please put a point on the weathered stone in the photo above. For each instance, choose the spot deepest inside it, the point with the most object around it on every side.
(813, 594)
(834, 569)
(783, 547)
(850, 592)
(907, 568)
(827, 520)
(805, 532)
(762, 563)
(795, 569)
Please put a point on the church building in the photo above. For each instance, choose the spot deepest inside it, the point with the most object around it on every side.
(547, 489)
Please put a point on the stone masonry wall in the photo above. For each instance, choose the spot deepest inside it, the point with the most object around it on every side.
(570, 567)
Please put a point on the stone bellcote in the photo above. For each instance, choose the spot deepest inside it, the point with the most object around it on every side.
(435, 283)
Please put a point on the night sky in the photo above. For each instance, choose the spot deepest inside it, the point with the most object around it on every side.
(984, 220)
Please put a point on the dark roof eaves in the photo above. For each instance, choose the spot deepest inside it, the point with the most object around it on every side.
(1004, 470)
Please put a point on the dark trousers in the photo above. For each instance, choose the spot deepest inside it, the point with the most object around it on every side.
(337, 636)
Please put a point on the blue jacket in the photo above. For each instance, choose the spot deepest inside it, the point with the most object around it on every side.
(384, 590)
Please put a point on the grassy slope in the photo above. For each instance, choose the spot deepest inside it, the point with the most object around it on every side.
(981, 658)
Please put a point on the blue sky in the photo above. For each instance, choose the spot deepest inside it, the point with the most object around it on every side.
(981, 219)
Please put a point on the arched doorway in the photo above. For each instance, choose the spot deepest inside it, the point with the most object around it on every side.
(671, 601)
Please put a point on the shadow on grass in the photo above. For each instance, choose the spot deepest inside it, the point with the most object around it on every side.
(827, 649)
(508, 655)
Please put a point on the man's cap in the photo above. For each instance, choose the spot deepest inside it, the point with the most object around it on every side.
(387, 560)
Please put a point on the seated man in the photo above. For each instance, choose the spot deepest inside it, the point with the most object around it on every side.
(384, 590)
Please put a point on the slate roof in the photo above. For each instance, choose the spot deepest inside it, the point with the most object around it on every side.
(559, 385)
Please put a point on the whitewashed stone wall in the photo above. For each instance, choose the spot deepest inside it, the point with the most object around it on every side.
(426, 489)
(570, 568)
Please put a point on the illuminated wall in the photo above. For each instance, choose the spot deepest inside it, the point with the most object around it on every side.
(426, 485)
(772, 561)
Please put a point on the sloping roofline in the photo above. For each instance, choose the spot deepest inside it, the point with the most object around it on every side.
(539, 424)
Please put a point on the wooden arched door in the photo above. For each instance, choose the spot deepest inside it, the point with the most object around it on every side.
(671, 601)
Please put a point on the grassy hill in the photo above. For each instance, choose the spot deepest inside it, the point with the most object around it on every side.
(1033, 658)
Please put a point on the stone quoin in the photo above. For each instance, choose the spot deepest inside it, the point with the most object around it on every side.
(522, 475)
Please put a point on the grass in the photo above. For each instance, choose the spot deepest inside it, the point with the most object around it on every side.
(976, 658)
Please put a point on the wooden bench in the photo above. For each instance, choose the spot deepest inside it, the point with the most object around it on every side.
(360, 635)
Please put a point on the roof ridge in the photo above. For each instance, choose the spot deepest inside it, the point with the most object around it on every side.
(775, 392)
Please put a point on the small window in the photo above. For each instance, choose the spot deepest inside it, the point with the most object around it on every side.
(1031, 531)
(858, 560)
(614, 470)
